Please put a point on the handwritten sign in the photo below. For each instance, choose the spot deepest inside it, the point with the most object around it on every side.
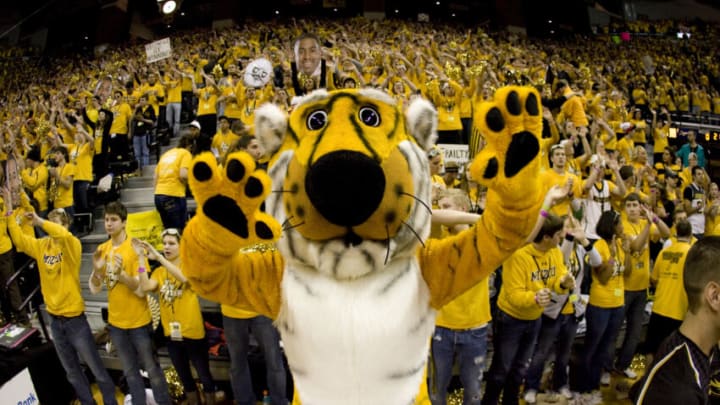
(158, 50)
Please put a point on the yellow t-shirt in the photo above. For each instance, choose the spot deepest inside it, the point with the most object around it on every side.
(64, 197)
(612, 294)
(639, 277)
(167, 172)
(670, 297)
(525, 273)
(178, 303)
(470, 310)
(121, 117)
(174, 92)
(237, 313)
(36, 180)
(550, 178)
(207, 100)
(660, 135)
(58, 259)
(125, 309)
(81, 156)
(222, 142)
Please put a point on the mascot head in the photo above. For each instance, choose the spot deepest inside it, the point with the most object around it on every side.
(350, 178)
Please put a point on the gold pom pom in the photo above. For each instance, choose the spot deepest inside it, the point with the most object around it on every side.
(217, 71)
(259, 247)
(174, 384)
(638, 363)
(456, 397)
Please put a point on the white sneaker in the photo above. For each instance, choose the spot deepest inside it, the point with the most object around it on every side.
(530, 396)
(629, 373)
(605, 378)
(565, 391)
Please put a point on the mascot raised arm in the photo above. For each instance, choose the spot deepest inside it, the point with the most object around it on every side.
(354, 283)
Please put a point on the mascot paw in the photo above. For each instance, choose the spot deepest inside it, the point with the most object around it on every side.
(512, 127)
(228, 199)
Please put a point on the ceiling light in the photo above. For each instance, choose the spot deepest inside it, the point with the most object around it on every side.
(169, 6)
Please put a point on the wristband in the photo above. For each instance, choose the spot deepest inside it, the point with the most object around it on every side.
(569, 238)
(544, 213)
(655, 220)
(141, 270)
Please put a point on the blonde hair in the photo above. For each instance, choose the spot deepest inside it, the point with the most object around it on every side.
(458, 197)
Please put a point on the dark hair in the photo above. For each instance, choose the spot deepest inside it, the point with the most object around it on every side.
(62, 150)
(550, 227)
(632, 197)
(186, 140)
(701, 267)
(696, 168)
(626, 172)
(683, 228)
(606, 224)
(244, 141)
(116, 208)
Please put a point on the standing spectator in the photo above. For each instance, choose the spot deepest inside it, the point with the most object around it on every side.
(170, 181)
(34, 176)
(680, 373)
(529, 277)
(58, 259)
(180, 315)
(62, 174)
(143, 122)
(691, 146)
(118, 143)
(694, 201)
(116, 265)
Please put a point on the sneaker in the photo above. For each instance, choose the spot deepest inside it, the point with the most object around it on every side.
(530, 396)
(629, 373)
(605, 378)
(565, 391)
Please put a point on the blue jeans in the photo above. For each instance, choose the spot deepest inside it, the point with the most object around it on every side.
(73, 342)
(80, 195)
(173, 211)
(135, 349)
(141, 149)
(471, 347)
(634, 312)
(195, 350)
(513, 344)
(603, 325)
(172, 115)
(563, 329)
(238, 343)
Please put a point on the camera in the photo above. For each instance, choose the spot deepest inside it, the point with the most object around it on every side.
(50, 162)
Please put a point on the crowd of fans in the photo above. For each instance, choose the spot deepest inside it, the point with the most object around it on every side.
(628, 196)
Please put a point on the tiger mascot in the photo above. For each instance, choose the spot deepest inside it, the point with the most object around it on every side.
(353, 283)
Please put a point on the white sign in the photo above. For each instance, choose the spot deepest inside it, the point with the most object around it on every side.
(258, 73)
(158, 50)
(19, 390)
(459, 154)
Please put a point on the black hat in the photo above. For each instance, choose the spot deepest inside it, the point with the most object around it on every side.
(34, 155)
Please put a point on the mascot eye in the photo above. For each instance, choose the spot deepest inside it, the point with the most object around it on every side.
(369, 116)
(316, 120)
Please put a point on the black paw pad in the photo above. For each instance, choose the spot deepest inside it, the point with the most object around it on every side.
(224, 211)
(531, 105)
(263, 231)
(494, 119)
(491, 169)
(235, 171)
(253, 187)
(522, 150)
(512, 103)
(202, 171)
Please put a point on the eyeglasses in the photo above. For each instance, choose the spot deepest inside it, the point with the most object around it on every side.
(171, 232)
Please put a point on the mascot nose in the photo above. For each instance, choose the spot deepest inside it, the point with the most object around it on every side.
(345, 187)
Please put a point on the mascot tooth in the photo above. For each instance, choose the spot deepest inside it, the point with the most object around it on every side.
(341, 258)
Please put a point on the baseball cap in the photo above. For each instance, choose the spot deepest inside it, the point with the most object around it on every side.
(195, 124)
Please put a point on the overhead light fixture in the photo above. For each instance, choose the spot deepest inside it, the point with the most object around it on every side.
(169, 7)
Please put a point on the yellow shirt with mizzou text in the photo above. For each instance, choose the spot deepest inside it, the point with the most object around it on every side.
(125, 309)
(58, 258)
(525, 273)
(178, 303)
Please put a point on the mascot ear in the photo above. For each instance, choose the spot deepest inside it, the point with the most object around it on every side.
(270, 127)
(421, 120)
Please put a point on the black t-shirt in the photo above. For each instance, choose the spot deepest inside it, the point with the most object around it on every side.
(679, 375)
